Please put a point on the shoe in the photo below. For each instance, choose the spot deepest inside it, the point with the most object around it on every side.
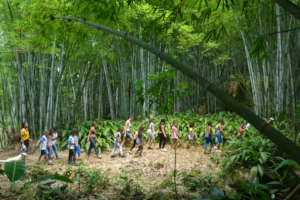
(112, 156)
(218, 150)
(164, 150)
(130, 152)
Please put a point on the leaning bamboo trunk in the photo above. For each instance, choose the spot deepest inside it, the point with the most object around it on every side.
(283, 143)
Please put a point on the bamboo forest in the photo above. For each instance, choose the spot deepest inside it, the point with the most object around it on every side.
(150, 99)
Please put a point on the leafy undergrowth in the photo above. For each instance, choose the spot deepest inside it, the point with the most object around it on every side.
(107, 128)
(250, 167)
(96, 184)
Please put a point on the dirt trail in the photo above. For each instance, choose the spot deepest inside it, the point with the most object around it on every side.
(150, 169)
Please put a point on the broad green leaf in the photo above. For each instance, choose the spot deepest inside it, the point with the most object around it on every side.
(286, 163)
(15, 170)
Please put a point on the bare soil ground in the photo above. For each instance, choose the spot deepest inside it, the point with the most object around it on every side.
(149, 170)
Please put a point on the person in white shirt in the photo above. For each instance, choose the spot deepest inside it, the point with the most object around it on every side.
(54, 133)
(117, 144)
(151, 133)
(127, 131)
(71, 147)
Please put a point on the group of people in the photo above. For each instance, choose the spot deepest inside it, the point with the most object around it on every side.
(137, 137)
(47, 142)
(74, 145)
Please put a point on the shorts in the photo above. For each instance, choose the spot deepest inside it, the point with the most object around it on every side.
(26, 143)
(77, 150)
(139, 142)
(117, 144)
(150, 135)
(208, 140)
(219, 137)
(128, 134)
(23, 148)
(44, 152)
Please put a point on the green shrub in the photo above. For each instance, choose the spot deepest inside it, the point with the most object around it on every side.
(131, 190)
(251, 151)
(107, 128)
(198, 181)
(94, 180)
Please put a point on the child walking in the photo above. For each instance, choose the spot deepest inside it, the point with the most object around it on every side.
(139, 141)
(218, 134)
(92, 139)
(174, 134)
(127, 129)
(134, 137)
(49, 145)
(191, 135)
(77, 146)
(43, 147)
(151, 132)
(54, 133)
(23, 148)
(71, 147)
(208, 138)
(25, 136)
(162, 135)
(117, 144)
(241, 130)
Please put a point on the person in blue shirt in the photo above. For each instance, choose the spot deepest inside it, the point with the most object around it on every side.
(43, 147)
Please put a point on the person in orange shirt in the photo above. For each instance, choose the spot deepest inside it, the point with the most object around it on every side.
(25, 136)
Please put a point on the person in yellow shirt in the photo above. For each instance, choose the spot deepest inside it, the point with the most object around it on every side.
(25, 135)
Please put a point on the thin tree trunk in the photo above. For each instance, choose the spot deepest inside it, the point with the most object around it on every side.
(49, 110)
(100, 98)
(22, 103)
(109, 90)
